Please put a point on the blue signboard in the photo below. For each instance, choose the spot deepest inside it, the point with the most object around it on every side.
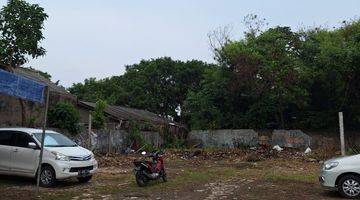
(18, 86)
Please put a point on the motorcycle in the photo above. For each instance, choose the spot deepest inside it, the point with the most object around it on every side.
(147, 170)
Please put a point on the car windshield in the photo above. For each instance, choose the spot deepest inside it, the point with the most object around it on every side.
(55, 140)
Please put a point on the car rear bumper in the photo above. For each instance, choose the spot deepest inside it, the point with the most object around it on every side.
(71, 169)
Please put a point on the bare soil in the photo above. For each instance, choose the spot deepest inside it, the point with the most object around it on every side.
(191, 175)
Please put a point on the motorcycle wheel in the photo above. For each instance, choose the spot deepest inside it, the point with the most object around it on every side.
(141, 179)
(164, 177)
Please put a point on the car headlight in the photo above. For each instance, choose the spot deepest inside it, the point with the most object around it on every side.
(60, 156)
(330, 165)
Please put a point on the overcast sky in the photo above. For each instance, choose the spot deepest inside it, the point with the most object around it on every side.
(93, 38)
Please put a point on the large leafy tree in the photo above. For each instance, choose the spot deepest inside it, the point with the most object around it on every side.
(161, 85)
(158, 85)
(109, 89)
(21, 26)
(264, 78)
(333, 57)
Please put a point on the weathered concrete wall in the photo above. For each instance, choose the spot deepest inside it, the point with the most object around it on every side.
(100, 140)
(291, 138)
(225, 138)
(10, 110)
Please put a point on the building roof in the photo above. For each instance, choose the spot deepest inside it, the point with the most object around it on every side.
(125, 113)
(35, 75)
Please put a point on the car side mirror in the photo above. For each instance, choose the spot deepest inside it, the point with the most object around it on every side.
(32, 145)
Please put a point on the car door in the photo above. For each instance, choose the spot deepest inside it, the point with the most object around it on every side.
(24, 158)
(5, 151)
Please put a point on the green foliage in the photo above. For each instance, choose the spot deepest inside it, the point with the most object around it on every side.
(158, 85)
(64, 115)
(170, 140)
(21, 27)
(353, 151)
(277, 76)
(108, 89)
(98, 116)
(253, 157)
(136, 140)
(271, 78)
(31, 122)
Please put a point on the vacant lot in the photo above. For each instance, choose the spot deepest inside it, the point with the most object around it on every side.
(215, 176)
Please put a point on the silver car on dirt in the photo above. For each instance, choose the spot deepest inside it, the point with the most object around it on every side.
(342, 174)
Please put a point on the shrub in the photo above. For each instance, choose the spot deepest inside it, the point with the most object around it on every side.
(135, 139)
(64, 115)
(252, 157)
(98, 116)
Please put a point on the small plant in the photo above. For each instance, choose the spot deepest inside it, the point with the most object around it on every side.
(64, 115)
(98, 116)
(253, 158)
(136, 140)
(171, 141)
(353, 151)
(31, 122)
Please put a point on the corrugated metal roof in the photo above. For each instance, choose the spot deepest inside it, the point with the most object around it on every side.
(125, 113)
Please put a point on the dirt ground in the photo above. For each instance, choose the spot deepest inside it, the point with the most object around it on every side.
(191, 175)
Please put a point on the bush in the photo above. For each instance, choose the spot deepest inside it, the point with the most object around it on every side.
(171, 140)
(136, 140)
(64, 115)
(98, 116)
(252, 157)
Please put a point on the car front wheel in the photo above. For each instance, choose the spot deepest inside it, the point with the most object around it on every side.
(47, 177)
(349, 186)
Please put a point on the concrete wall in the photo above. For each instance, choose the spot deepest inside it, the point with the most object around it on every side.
(10, 110)
(324, 140)
(100, 140)
(224, 138)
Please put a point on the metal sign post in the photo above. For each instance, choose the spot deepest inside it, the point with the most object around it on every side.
(42, 140)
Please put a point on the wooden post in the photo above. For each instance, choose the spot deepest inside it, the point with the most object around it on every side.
(89, 131)
(342, 140)
(42, 139)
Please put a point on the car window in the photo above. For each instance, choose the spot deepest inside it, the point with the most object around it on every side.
(5, 138)
(22, 139)
(55, 140)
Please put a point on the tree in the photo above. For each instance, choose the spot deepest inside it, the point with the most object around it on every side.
(98, 115)
(65, 116)
(332, 56)
(109, 89)
(21, 27)
(158, 85)
(267, 67)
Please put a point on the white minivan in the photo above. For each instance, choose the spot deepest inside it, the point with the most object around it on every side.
(63, 158)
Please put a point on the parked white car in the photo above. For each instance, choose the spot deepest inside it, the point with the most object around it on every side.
(62, 158)
(342, 174)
